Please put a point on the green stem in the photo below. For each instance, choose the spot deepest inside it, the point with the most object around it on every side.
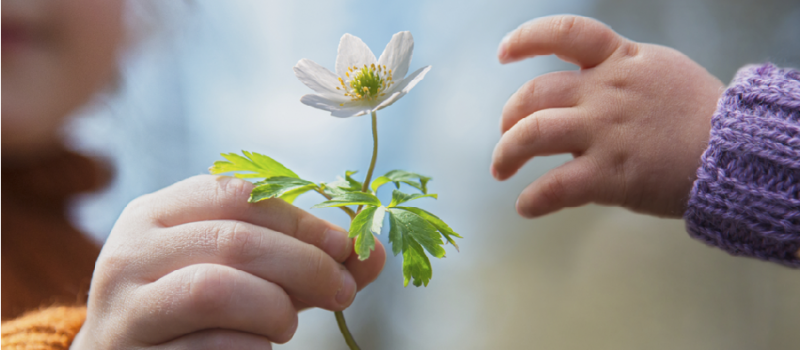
(346, 332)
(347, 210)
(365, 187)
(339, 315)
(374, 152)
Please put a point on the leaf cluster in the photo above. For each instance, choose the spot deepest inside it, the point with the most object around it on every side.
(412, 231)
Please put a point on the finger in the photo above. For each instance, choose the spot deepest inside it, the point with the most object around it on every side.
(579, 40)
(552, 90)
(213, 339)
(366, 271)
(299, 305)
(208, 296)
(546, 132)
(208, 197)
(304, 271)
(573, 184)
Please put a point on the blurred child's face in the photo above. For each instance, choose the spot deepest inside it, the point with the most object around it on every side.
(55, 55)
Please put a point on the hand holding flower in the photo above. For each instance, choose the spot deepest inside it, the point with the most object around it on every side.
(194, 266)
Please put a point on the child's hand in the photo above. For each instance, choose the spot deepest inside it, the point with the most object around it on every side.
(194, 266)
(636, 117)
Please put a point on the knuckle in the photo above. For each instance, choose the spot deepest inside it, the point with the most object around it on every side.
(517, 36)
(231, 187)
(566, 27)
(554, 189)
(112, 263)
(513, 104)
(608, 40)
(236, 243)
(210, 289)
(217, 190)
(516, 105)
(138, 206)
(324, 273)
(527, 95)
(308, 229)
(531, 131)
(529, 88)
(143, 209)
(296, 223)
(628, 49)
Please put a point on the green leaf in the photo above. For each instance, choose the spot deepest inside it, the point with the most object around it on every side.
(400, 197)
(413, 227)
(413, 231)
(396, 234)
(409, 233)
(351, 198)
(285, 187)
(363, 225)
(342, 185)
(258, 165)
(417, 181)
(290, 196)
(338, 187)
(434, 220)
(353, 183)
(380, 181)
(416, 265)
(377, 221)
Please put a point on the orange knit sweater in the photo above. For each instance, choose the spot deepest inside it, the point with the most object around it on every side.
(45, 260)
(50, 328)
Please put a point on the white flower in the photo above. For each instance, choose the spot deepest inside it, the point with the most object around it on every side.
(363, 85)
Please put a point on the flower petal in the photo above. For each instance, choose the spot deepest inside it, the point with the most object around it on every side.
(351, 111)
(319, 79)
(397, 55)
(320, 102)
(352, 52)
(403, 87)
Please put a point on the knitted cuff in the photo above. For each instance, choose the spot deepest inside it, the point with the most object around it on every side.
(746, 199)
(51, 328)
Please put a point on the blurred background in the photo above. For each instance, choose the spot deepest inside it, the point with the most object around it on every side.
(208, 77)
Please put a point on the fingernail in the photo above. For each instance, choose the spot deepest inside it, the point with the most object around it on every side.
(347, 292)
(336, 243)
(502, 50)
(494, 172)
(290, 332)
(521, 212)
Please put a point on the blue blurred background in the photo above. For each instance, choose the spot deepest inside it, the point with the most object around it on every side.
(206, 77)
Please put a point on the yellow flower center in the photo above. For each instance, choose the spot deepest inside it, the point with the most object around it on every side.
(366, 83)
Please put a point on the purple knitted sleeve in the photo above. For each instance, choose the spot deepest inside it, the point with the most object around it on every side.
(746, 199)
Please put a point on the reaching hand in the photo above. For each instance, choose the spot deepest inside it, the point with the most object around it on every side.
(636, 118)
